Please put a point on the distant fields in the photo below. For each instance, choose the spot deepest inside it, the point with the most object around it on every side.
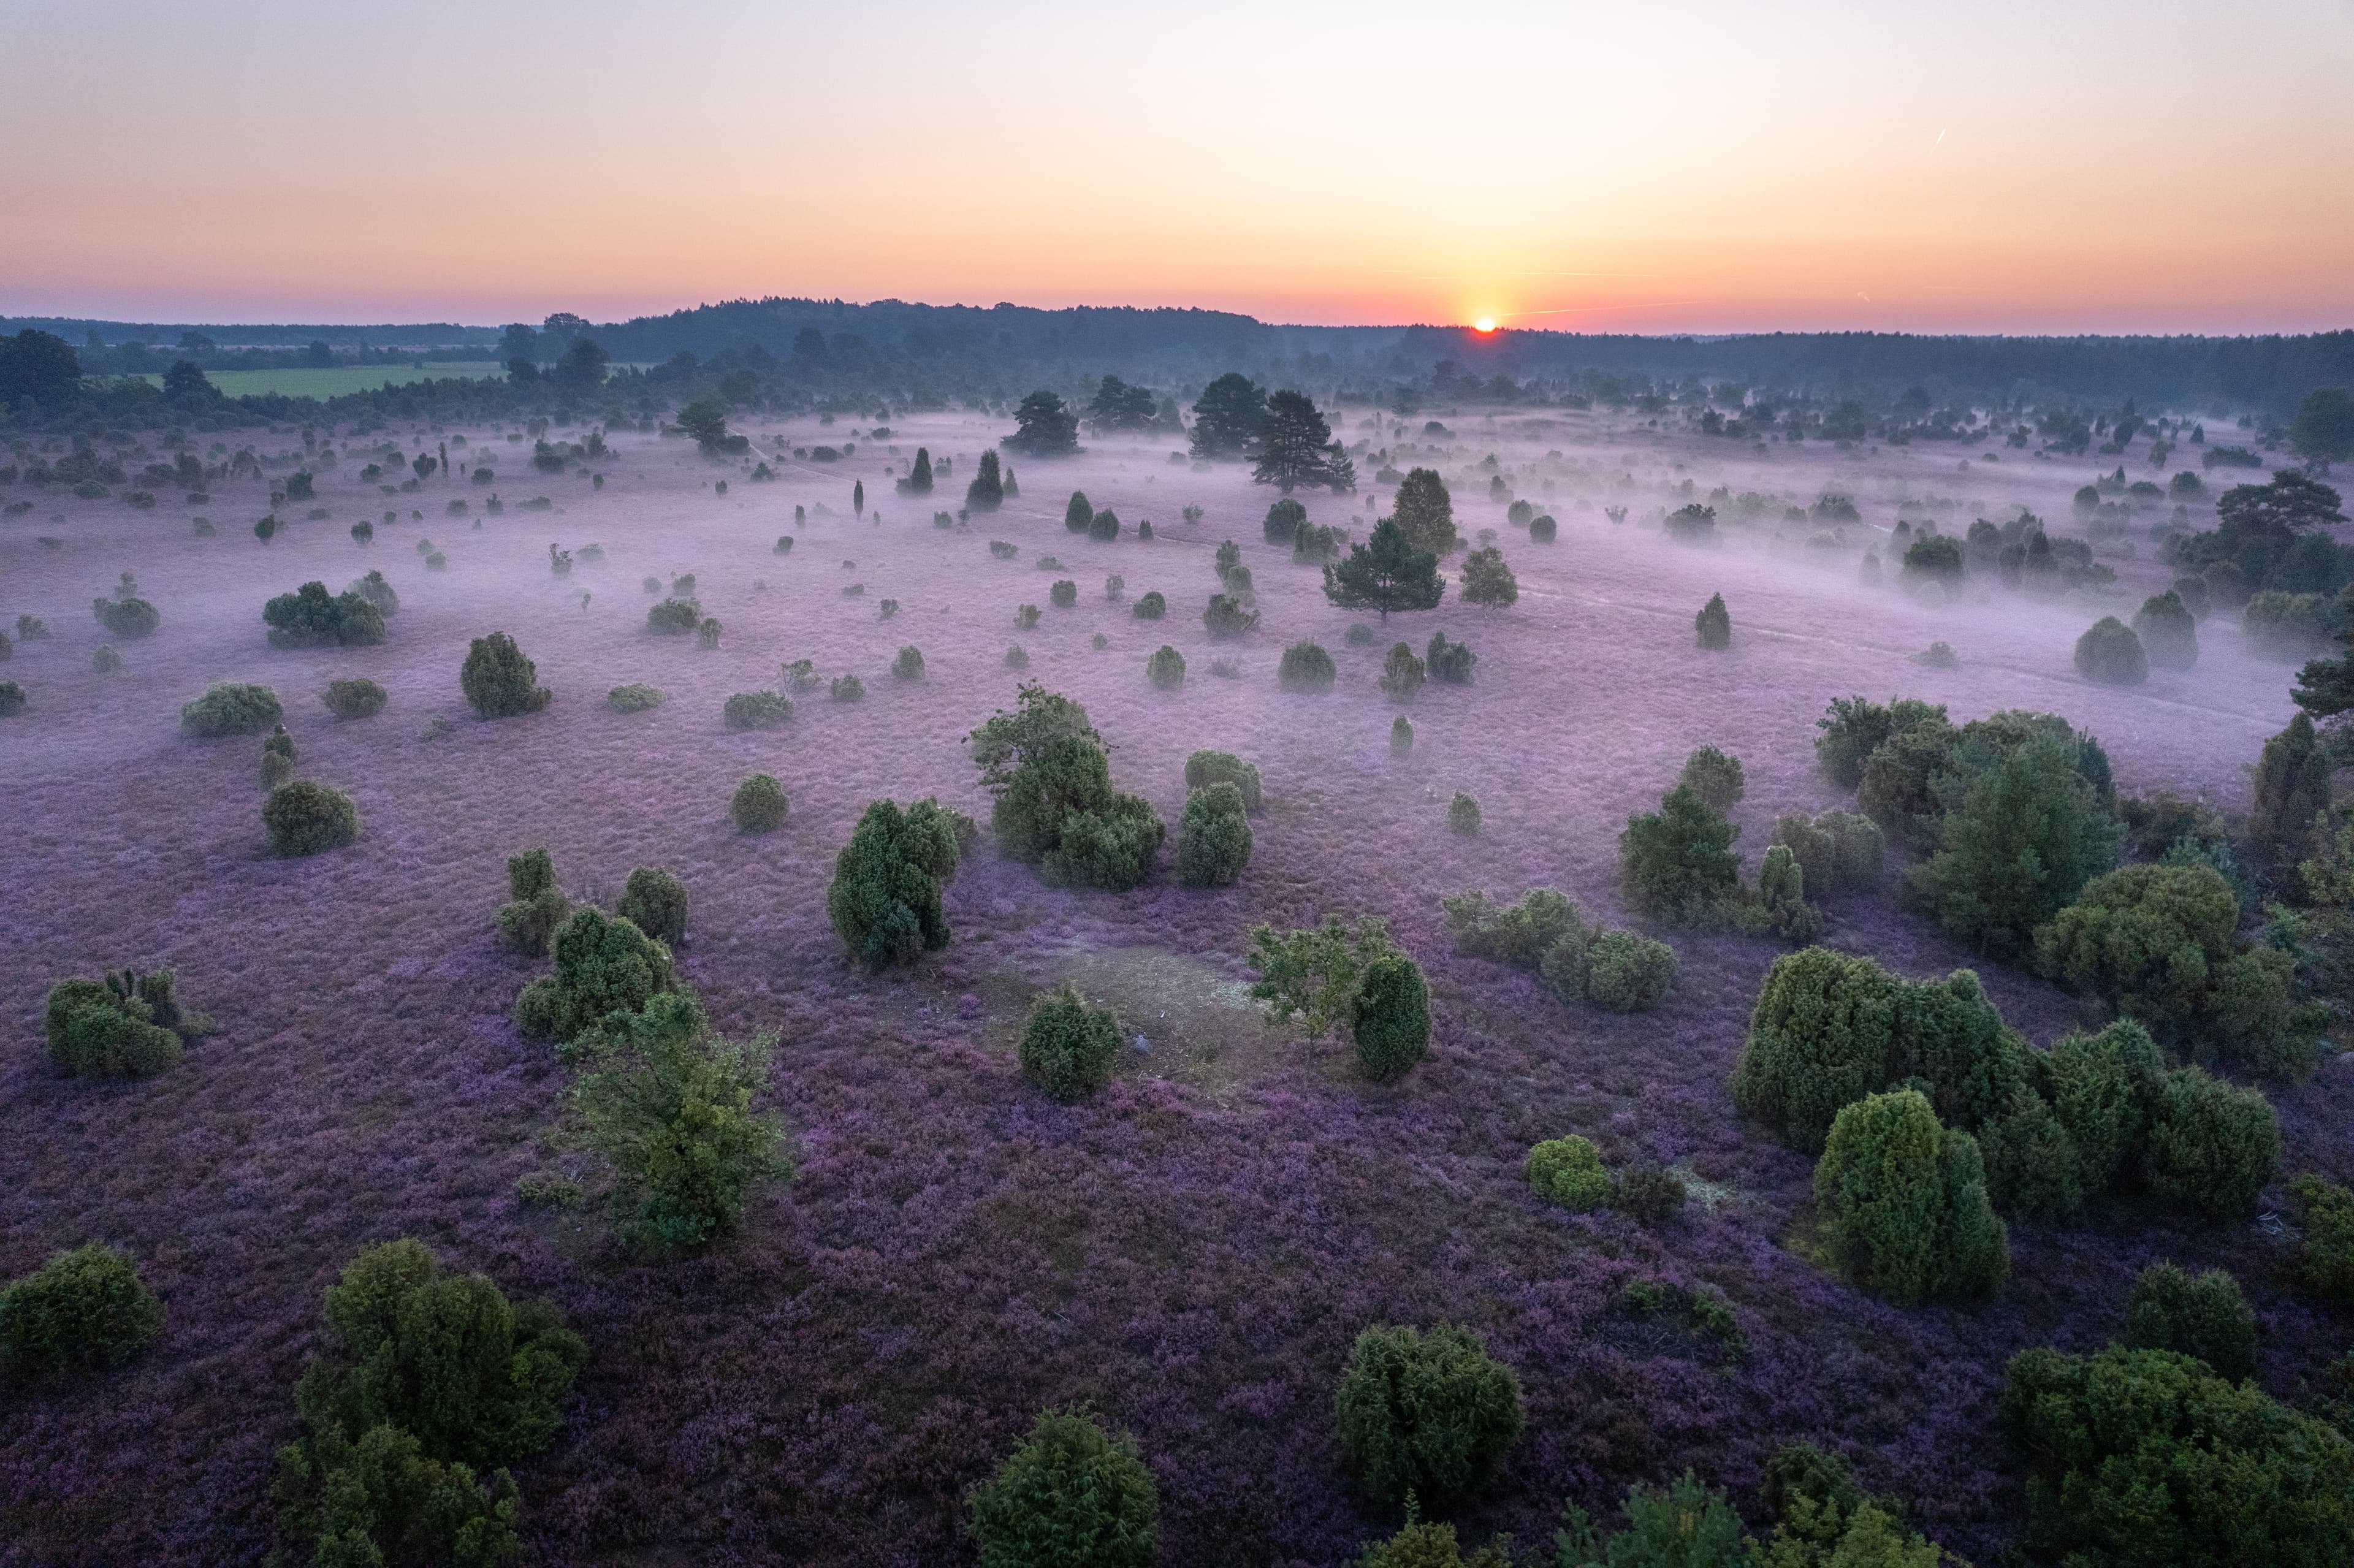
(336, 381)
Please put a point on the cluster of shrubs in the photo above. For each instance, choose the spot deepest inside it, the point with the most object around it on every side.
(757, 710)
(126, 615)
(231, 707)
(125, 1025)
(1677, 864)
(311, 618)
(1568, 1171)
(2057, 1129)
(527, 922)
(885, 900)
(1358, 980)
(1046, 769)
(432, 1383)
(1543, 933)
(674, 618)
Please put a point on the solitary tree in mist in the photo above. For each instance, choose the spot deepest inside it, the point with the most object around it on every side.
(1044, 427)
(919, 478)
(1488, 581)
(1295, 447)
(1426, 512)
(858, 498)
(1227, 416)
(987, 491)
(1117, 406)
(705, 422)
(1385, 574)
(2323, 432)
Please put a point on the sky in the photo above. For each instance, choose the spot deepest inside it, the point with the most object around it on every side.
(1823, 164)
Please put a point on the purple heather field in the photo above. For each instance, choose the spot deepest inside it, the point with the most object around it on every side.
(1193, 1250)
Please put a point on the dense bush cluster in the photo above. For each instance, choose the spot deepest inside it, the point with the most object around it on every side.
(1204, 768)
(430, 1380)
(1330, 977)
(1046, 769)
(231, 707)
(305, 817)
(674, 618)
(498, 680)
(1068, 1047)
(1836, 851)
(1903, 1206)
(604, 965)
(311, 618)
(127, 1025)
(757, 710)
(1214, 841)
(82, 1310)
(885, 900)
(1427, 1414)
(1568, 1171)
(2199, 1314)
(527, 922)
(1617, 969)
(129, 617)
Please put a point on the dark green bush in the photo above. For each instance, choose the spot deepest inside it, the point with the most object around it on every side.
(1165, 669)
(1104, 528)
(498, 680)
(908, 666)
(1853, 728)
(1068, 1047)
(354, 699)
(674, 618)
(1463, 813)
(1204, 768)
(633, 699)
(231, 707)
(2168, 632)
(311, 618)
(1676, 863)
(1568, 1171)
(603, 965)
(1283, 521)
(1402, 674)
(885, 900)
(669, 1105)
(846, 689)
(1430, 1415)
(1449, 664)
(1227, 616)
(1391, 1016)
(1625, 972)
(1650, 1194)
(1305, 667)
(1543, 529)
(1715, 778)
(1064, 594)
(111, 1028)
(1712, 627)
(305, 817)
(758, 805)
(1150, 606)
(757, 710)
(654, 901)
(1069, 1496)
(1836, 851)
(1055, 805)
(128, 618)
(1214, 841)
(2323, 1264)
(1517, 934)
(2201, 1315)
(2212, 1146)
(2149, 1458)
(82, 1309)
(1400, 736)
(1904, 1203)
(12, 699)
(2028, 834)
(527, 922)
(2160, 943)
(2110, 653)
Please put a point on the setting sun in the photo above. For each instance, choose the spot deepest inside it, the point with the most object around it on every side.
(1485, 323)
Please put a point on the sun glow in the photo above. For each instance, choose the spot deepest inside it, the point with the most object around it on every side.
(1485, 323)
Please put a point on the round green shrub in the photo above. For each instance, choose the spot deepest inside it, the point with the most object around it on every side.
(1283, 521)
(1165, 669)
(1820, 1037)
(1625, 972)
(128, 618)
(305, 817)
(633, 699)
(1150, 606)
(1064, 594)
(885, 900)
(1391, 1016)
(1715, 778)
(2110, 653)
(908, 666)
(1207, 767)
(603, 965)
(354, 699)
(2201, 1315)
(1543, 529)
(1428, 1414)
(106, 1031)
(231, 707)
(2168, 632)
(1568, 1171)
(1068, 1047)
(1463, 813)
(847, 689)
(1105, 527)
(759, 804)
(1214, 841)
(2212, 1145)
(1305, 667)
(1402, 674)
(1904, 1203)
(82, 1309)
(1069, 1496)
(757, 710)
(654, 901)
(1078, 514)
(674, 618)
(498, 680)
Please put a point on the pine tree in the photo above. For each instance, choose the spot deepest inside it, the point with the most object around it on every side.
(1117, 406)
(1295, 447)
(2292, 788)
(1227, 416)
(987, 491)
(1426, 512)
(1044, 427)
(858, 499)
(1385, 574)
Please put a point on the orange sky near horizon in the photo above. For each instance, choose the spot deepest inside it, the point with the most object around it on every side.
(2104, 167)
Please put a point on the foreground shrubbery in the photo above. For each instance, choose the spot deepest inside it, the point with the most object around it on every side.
(1214, 841)
(430, 1380)
(1426, 1415)
(1069, 1496)
(1068, 1047)
(1904, 1203)
(354, 699)
(1204, 768)
(82, 1310)
(759, 804)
